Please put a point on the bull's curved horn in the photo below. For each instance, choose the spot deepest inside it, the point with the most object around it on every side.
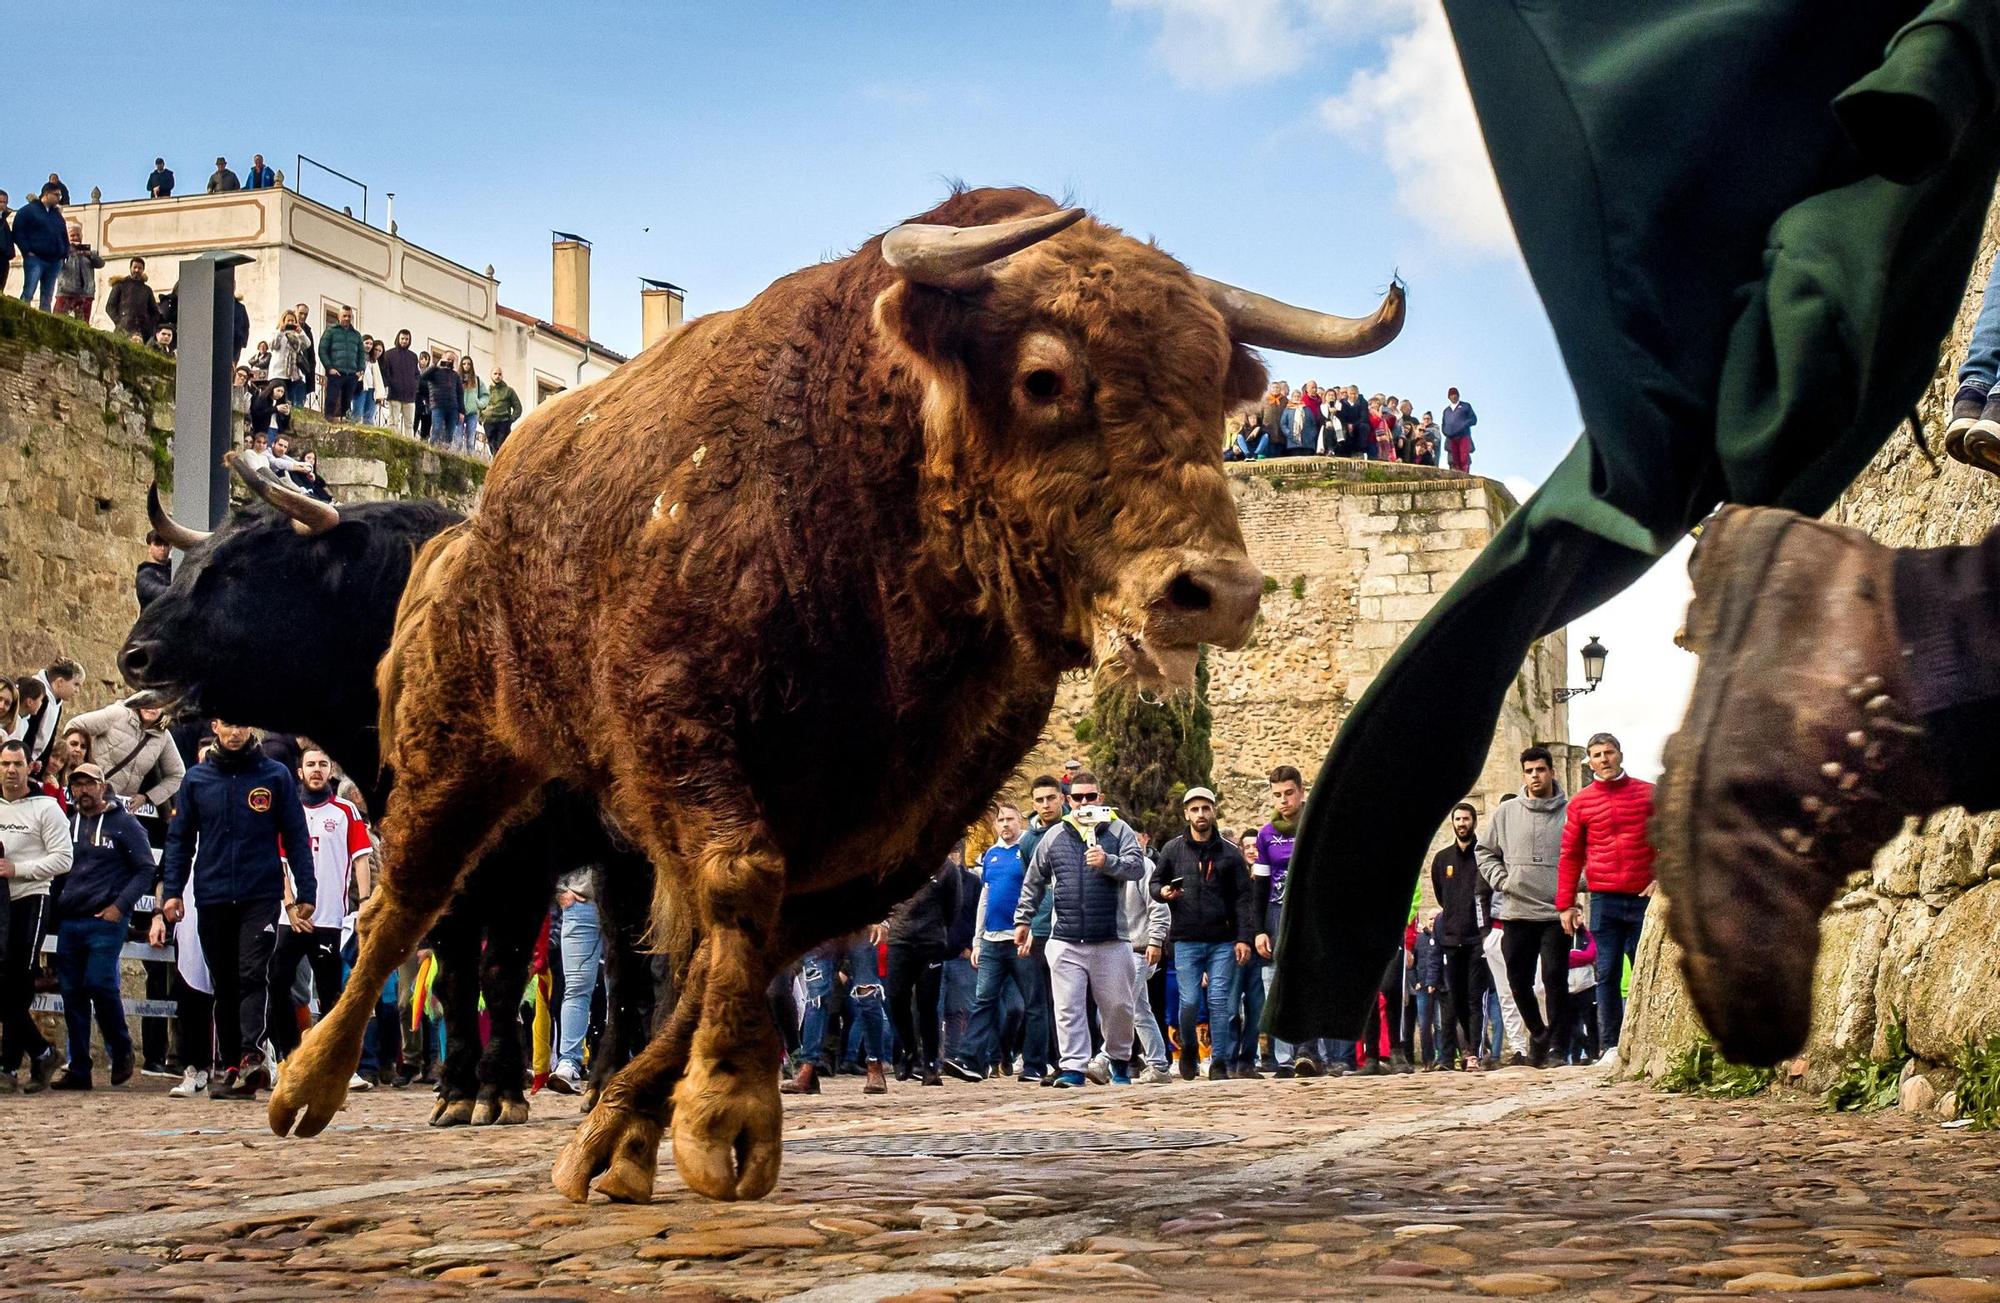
(172, 531)
(1267, 323)
(963, 257)
(309, 515)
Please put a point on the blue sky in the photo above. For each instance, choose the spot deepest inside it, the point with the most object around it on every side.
(1302, 148)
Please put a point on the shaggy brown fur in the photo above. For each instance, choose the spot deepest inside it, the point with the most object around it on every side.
(791, 592)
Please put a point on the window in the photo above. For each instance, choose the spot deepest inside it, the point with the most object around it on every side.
(545, 390)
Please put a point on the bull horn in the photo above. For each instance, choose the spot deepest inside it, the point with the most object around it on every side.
(309, 515)
(170, 530)
(963, 257)
(1267, 323)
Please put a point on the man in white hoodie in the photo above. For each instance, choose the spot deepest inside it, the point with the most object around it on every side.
(34, 849)
(1519, 858)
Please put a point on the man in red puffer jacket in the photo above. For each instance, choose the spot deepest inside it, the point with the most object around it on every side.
(1604, 843)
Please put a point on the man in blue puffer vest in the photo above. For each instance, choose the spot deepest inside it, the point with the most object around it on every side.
(1085, 862)
(238, 804)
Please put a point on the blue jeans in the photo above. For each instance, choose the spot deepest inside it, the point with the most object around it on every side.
(955, 1003)
(1250, 986)
(1426, 1035)
(38, 280)
(87, 970)
(1496, 1030)
(1218, 960)
(364, 407)
(1616, 918)
(1982, 358)
(864, 999)
(1258, 447)
(999, 964)
(581, 950)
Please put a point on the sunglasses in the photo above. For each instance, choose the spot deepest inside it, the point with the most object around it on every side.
(1083, 796)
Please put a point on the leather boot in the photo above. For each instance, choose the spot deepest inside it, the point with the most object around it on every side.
(1795, 763)
(878, 1081)
(805, 1083)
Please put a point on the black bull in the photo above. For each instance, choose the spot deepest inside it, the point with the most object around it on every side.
(269, 627)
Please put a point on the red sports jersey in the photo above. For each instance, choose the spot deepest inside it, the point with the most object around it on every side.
(339, 837)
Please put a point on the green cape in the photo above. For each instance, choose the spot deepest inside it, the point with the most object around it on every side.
(1751, 227)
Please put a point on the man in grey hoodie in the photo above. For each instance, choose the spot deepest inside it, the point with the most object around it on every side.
(1518, 858)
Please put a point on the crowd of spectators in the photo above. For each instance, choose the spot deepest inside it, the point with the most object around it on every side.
(335, 369)
(1339, 422)
(1067, 952)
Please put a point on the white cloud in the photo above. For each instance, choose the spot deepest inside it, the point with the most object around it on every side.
(1407, 103)
(1221, 43)
(1413, 109)
(1647, 679)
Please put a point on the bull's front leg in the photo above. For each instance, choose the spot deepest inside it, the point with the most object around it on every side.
(728, 1119)
(455, 942)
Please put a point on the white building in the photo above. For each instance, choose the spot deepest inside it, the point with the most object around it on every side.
(308, 253)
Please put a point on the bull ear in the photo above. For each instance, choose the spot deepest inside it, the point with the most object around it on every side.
(1247, 377)
(921, 330)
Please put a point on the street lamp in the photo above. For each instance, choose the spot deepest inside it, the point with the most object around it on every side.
(1594, 654)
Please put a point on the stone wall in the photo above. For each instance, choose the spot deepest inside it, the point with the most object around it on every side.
(86, 423)
(1353, 553)
(1910, 941)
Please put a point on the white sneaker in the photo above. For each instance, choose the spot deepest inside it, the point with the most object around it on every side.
(1098, 1070)
(565, 1079)
(359, 1082)
(1153, 1076)
(193, 1082)
(1610, 1062)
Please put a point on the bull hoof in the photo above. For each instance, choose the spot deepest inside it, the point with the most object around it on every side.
(452, 1112)
(513, 1112)
(618, 1150)
(485, 1111)
(728, 1132)
(311, 1090)
(591, 1094)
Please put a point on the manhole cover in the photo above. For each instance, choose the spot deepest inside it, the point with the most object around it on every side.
(1007, 1144)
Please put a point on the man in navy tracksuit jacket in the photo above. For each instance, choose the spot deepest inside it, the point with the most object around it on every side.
(239, 805)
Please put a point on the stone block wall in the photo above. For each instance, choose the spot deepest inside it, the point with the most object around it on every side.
(1354, 554)
(1911, 940)
(86, 423)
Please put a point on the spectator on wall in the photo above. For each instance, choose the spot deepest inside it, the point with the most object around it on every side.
(1457, 422)
(400, 381)
(6, 241)
(76, 282)
(43, 239)
(501, 409)
(160, 185)
(340, 352)
(222, 179)
(260, 176)
(131, 304)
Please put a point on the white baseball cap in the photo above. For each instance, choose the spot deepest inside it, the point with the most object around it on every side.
(1199, 794)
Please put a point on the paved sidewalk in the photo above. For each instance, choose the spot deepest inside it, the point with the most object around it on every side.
(1514, 1183)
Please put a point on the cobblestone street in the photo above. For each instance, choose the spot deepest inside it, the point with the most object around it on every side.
(1514, 1183)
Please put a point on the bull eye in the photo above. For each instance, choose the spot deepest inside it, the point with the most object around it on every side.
(1042, 384)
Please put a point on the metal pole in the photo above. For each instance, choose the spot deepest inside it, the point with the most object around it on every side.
(205, 352)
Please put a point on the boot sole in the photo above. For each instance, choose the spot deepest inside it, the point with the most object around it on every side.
(1748, 550)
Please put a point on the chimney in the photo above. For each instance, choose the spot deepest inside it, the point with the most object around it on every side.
(659, 310)
(570, 307)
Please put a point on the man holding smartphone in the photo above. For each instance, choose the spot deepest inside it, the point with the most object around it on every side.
(1205, 883)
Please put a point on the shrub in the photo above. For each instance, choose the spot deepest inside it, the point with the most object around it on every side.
(1978, 1067)
(1270, 585)
(1701, 1070)
(1866, 1084)
(1299, 587)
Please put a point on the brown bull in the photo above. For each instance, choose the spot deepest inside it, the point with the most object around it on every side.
(792, 592)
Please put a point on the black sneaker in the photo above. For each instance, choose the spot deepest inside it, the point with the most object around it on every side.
(255, 1074)
(1981, 444)
(226, 1084)
(963, 1071)
(158, 1070)
(67, 1080)
(401, 1079)
(122, 1069)
(1282, 1073)
(1966, 409)
(40, 1069)
(1305, 1066)
(1246, 1072)
(1218, 1071)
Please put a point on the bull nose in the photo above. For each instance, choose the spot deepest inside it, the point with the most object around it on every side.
(1216, 601)
(135, 660)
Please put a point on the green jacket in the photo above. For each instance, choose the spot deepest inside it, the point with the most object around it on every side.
(502, 404)
(340, 350)
(1751, 224)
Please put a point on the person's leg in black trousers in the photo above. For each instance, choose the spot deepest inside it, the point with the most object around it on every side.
(194, 1024)
(281, 1015)
(1555, 947)
(1459, 1030)
(19, 1036)
(237, 939)
(914, 980)
(1385, 1018)
(1521, 946)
